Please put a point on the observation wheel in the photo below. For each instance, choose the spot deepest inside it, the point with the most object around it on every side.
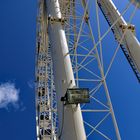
(77, 43)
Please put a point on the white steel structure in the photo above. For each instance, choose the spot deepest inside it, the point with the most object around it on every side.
(46, 116)
(70, 54)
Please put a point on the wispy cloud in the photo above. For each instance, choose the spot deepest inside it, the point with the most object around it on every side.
(31, 84)
(9, 95)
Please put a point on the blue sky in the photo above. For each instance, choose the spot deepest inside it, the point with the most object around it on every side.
(17, 65)
(17, 55)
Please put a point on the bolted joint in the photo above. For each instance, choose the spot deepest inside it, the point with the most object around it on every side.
(52, 20)
(86, 18)
(129, 27)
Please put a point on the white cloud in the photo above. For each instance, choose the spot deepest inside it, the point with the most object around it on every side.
(9, 95)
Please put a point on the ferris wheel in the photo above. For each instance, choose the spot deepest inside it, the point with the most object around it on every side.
(73, 60)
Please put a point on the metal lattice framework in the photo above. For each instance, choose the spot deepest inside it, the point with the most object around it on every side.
(88, 66)
(85, 44)
(46, 116)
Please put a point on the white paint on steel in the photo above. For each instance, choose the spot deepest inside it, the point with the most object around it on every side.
(130, 41)
(133, 47)
(73, 128)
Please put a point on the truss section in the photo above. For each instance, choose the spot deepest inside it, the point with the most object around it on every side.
(82, 21)
(118, 27)
(85, 49)
(46, 112)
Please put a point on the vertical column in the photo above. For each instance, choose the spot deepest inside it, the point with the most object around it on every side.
(70, 118)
